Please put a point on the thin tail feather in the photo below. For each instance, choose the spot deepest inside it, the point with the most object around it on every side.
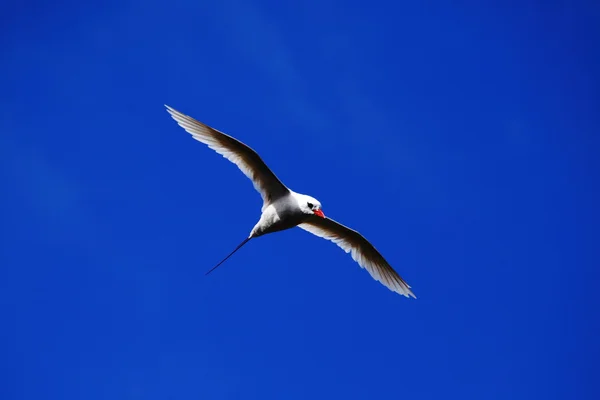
(230, 254)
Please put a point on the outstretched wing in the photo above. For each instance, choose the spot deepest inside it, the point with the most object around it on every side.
(363, 252)
(247, 160)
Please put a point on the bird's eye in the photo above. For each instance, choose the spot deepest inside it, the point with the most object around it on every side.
(310, 205)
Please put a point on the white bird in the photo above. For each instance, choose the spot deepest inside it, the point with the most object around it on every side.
(284, 209)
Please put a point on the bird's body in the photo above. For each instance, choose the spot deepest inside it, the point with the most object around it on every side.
(283, 213)
(284, 209)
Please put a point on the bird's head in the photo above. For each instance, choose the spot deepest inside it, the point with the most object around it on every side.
(310, 205)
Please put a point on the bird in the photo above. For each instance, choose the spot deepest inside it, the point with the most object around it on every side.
(284, 209)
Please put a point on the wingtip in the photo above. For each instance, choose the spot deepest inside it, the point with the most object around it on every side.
(404, 289)
(176, 115)
(409, 293)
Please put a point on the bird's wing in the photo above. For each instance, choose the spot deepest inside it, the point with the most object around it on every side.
(361, 250)
(247, 160)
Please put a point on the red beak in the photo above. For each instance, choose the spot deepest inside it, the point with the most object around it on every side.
(319, 213)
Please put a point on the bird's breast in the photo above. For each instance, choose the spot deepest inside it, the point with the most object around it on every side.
(278, 217)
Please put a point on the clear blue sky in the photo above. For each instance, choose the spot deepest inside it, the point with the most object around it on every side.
(463, 141)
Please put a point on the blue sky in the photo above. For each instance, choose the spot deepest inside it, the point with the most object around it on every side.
(461, 140)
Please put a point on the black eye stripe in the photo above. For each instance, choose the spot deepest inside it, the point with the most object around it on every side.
(310, 205)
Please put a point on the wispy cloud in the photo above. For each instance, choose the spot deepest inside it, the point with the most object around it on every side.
(259, 41)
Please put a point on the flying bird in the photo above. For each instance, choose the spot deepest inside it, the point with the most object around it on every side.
(284, 209)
